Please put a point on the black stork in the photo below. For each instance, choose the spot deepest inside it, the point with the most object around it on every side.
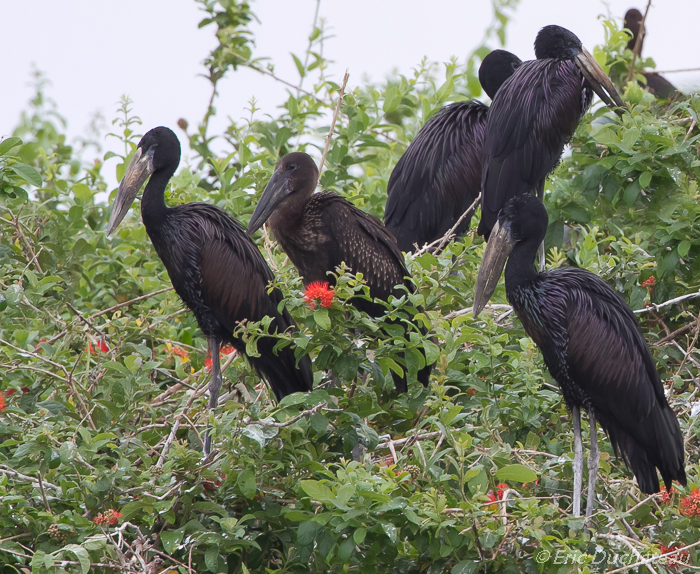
(214, 267)
(593, 347)
(319, 231)
(656, 83)
(534, 115)
(439, 176)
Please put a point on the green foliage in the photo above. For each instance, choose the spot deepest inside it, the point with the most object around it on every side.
(103, 370)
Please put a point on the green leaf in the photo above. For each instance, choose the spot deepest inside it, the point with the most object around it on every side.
(345, 550)
(82, 192)
(316, 490)
(516, 473)
(465, 567)
(246, 482)
(81, 554)
(27, 173)
(392, 99)
(322, 319)
(683, 248)
(645, 179)
(359, 535)
(7, 144)
(171, 539)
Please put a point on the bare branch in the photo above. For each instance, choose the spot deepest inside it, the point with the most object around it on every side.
(329, 137)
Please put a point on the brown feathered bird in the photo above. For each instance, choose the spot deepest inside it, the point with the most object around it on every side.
(320, 231)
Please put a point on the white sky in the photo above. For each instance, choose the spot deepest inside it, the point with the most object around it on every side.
(93, 52)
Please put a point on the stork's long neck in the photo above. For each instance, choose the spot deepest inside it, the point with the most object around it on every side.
(153, 208)
(520, 268)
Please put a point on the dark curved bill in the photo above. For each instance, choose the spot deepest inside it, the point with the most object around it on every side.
(138, 171)
(497, 251)
(275, 191)
(598, 79)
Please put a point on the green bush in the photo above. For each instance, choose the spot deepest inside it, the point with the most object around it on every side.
(103, 370)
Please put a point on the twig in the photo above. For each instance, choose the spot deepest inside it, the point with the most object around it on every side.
(43, 492)
(656, 307)
(89, 323)
(638, 42)
(448, 236)
(495, 307)
(690, 129)
(30, 479)
(176, 425)
(670, 336)
(676, 71)
(618, 538)
(329, 137)
(691, 346)
(413, 438)
(267, 423)
(437, 245)
(653, 559)
(35, 355)
(130, 302)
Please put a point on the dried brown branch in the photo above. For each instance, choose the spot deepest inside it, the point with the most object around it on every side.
(13, 473)
(130, 302)
(638, 43)
(654, 559)
(329, 137)
(410, 439)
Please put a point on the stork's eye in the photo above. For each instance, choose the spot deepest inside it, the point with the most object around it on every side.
(292, 166)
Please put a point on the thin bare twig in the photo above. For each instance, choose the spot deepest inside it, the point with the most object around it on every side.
(654, 559)
(312, 411)
(494, 307)
(43, 492)
(638, 43)
(89, 323)
(623, 539)
(13, 473)
(130, 302)
(413, 438)
(329, 137)
(656, 307)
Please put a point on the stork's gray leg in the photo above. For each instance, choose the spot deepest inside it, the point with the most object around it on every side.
(578, 462)
(592, 464)
(540, 251)
(214, 387)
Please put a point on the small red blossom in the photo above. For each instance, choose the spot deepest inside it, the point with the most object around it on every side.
(180, 352)
(471, 392)
(649, 282)
(676, 559)
(100, 347)
(3, 403)
(666, 495)
(109, 518)
(691, 503)
(226, 350)
(501, 487)
(319, 290)
(10, 392)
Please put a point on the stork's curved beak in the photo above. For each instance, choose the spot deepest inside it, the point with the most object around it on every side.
(137, 172)
(275, 191)
(598, 79)
(497, 251)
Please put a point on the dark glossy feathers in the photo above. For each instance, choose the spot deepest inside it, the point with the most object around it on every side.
(221, 276)
(532, 117)
(592, 346)
(333, 231)
(438, 177)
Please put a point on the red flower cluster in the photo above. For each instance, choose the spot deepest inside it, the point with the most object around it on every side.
(226, 350)
(101, 347)
(501, 487)
(676, 559)
(691, 503)
(666, 495)
(649, 282)
(180, 352)
(318, 290)
(109, 518)
(3, 403)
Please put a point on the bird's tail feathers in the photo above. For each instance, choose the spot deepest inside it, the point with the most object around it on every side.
(658, 443)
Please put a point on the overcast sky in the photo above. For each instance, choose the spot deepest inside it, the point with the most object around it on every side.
(93, 52)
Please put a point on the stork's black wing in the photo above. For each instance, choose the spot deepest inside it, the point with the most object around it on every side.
(233, 283)
(599, 357)
(532, 116)
(438, 177)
